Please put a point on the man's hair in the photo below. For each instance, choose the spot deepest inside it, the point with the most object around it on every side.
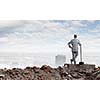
(75, 36)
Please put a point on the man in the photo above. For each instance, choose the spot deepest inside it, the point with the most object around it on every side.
(73, 44)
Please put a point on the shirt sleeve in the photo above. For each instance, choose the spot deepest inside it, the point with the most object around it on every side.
(70, 42)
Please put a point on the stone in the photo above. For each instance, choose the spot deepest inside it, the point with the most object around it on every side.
(97, 77)
(46, 68)
(65, 72)
(2, 76)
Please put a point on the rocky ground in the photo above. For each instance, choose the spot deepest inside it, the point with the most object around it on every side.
(66, 72)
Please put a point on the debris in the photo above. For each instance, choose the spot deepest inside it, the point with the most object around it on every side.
(66, 72)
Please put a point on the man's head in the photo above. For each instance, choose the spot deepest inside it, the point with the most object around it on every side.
(75, 36)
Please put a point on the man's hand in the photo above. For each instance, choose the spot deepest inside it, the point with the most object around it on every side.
(70, 47)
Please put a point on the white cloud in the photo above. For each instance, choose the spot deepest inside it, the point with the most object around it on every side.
(44, 36)
(9, 23)
(78, 23)
(91, 21)
(3, 40)
(91, 43)
(35, 36)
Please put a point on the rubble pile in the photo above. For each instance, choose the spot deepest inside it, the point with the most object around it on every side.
(66, 72)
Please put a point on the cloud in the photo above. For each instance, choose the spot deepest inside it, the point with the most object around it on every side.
(78, 23)
(91, 21)
(9, 23)
(3, 40)
(33, 35)
(45, 35)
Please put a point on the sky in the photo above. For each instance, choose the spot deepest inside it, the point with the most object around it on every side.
(48, 35)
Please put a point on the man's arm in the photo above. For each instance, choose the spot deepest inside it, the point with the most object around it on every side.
(79, 43)
(69, 44)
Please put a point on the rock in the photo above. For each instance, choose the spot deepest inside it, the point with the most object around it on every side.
(66, 72)
(2, 76)
(46, 68)
(36, 69)
(55, 75)
(97, 77)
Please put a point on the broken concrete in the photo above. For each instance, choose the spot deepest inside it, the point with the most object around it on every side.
(66, 72)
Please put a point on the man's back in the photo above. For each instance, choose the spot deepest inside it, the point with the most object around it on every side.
(74, 42)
